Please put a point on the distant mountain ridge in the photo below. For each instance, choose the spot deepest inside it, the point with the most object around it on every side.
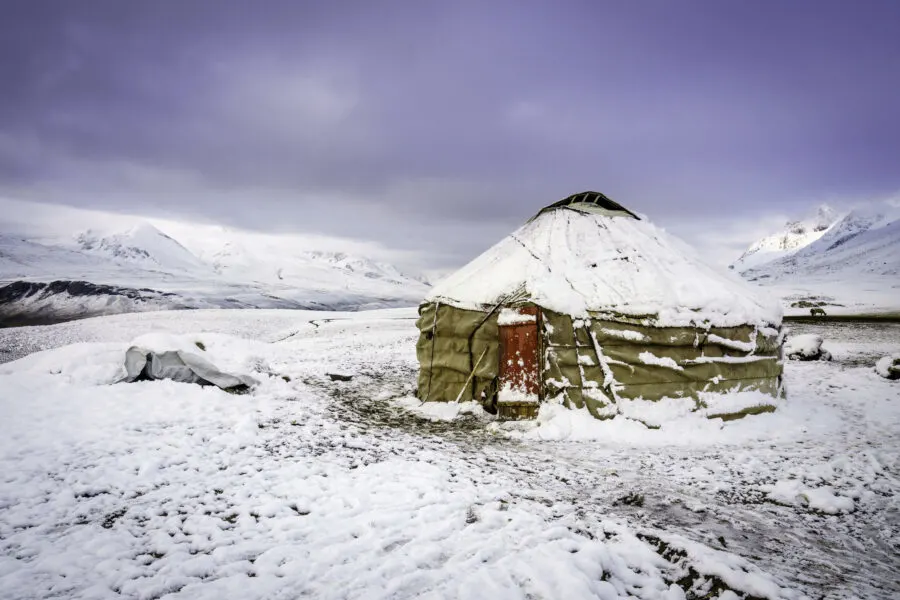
(91, 272)
(853, 260)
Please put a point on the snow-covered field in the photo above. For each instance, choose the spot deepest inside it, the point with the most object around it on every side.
(309, 487)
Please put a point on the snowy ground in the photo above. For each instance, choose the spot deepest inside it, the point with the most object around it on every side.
(860, 295)
(330, 489)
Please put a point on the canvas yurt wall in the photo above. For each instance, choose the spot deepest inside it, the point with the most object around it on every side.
(595, 361)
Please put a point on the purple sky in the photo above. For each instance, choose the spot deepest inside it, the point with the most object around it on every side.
(443, 125)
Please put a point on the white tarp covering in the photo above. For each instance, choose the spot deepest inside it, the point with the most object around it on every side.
(179, 365)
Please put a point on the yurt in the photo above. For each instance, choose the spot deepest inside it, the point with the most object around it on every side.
(591, 306)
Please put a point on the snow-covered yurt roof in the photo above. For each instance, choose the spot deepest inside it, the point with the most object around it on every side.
(588, 253)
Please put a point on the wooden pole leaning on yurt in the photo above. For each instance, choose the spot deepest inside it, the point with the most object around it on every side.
(469, 378)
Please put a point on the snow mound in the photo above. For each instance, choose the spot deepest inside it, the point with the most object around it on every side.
(806, 347)
(441, 411)
(889, 367)
(822, 499)
(574, 262)
(669, 421)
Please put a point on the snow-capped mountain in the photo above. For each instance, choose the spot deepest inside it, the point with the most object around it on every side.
(143, 245)
(137, 266)
(795, 235)
(852, 264)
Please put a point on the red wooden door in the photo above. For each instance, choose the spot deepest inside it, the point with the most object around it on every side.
(518, 370)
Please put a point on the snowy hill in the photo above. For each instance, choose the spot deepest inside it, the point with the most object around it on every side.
(852, 265)
(49, 274)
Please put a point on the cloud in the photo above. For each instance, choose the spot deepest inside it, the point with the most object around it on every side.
(443, 126)
(721, 241)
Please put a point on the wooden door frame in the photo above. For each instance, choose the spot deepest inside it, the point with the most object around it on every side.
(535, 310)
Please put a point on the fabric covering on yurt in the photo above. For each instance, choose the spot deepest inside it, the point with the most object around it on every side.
(626, 312)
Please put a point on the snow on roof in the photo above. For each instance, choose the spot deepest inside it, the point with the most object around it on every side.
(573, 261)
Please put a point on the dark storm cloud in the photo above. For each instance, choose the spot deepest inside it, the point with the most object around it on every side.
(440, 124)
